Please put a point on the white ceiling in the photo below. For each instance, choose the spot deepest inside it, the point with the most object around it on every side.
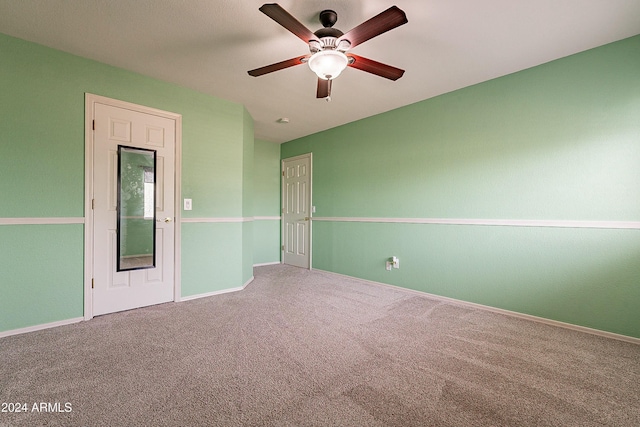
(209, 45)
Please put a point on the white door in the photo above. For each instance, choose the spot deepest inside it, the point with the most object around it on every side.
(116, 291)
(296, 207)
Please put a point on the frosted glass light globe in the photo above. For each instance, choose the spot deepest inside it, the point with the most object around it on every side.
(328, 64)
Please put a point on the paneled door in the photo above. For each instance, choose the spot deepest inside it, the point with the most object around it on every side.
(296, 208)
(123, 290)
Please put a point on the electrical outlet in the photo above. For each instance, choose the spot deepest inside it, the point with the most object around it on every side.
(188, 204)
(388, 265)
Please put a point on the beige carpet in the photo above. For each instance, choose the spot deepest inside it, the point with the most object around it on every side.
(301, 348)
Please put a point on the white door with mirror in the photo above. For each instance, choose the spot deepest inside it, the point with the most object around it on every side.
(133, 208)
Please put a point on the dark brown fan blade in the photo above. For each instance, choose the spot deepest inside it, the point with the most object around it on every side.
(324, 88)
(278, 66)
(375, 67)
(381, 23)
(284, 18)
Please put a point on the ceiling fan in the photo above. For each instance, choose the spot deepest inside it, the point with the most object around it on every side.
(328, 46)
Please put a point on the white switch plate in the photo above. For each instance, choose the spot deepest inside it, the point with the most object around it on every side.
(188, 205)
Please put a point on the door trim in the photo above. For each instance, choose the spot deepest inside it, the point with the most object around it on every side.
(282, 198)
(89, 111)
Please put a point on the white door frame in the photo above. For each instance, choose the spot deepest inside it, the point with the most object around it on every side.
(282, 198)
(90, 101)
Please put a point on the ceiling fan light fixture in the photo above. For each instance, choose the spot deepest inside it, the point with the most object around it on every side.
(328, 64)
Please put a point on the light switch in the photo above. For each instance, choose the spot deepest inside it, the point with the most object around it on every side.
(187, 205)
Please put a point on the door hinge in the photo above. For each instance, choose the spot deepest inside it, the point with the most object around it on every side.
(92, 283)
(93, 203)
(93, 125)
(282, 173)
(282, 247)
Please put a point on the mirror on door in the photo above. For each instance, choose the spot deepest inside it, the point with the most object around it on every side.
(136, 243)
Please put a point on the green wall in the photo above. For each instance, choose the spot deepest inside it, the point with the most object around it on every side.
(41, 269)
(266, 203)
(212, 258)
(560, 141)
(42, 171)
(247, 197)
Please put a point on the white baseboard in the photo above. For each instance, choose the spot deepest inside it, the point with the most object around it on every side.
(551, 322)
(40, 327)
(80, 319)
(267, 263)
(220, 292)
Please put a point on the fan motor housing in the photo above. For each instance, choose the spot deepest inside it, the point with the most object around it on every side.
(328, 32)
